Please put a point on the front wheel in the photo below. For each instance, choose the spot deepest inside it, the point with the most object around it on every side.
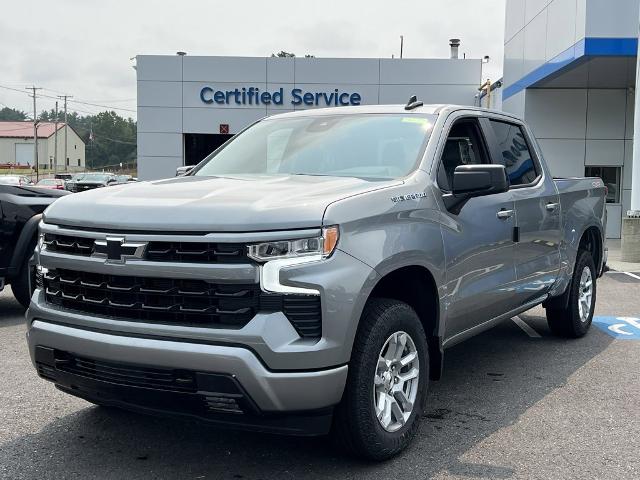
(574, 320)
(388, 376)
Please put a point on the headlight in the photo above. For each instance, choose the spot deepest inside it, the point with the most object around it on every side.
(323, 246)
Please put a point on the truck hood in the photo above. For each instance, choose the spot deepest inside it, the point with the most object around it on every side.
(210, 204)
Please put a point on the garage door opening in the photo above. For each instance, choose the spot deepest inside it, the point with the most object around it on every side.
(199, 145)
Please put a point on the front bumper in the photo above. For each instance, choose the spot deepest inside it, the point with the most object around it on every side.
(305, 396)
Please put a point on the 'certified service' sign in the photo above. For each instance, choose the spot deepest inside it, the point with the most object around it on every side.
(254, 96)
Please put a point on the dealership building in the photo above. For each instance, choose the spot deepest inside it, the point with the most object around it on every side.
(189, 105)
(570, 71)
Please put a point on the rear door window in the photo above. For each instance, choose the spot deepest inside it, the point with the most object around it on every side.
(515, 153)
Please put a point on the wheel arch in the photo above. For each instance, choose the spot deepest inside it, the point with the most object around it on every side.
(592, 240)
(416, 285)
(27, 235)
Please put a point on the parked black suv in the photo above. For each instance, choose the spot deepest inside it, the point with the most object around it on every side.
(89, 181)
(21, 208)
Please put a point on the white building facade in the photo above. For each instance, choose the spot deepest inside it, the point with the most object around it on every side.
(189, 105)
(570, 72)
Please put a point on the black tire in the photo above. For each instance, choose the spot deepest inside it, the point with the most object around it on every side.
(21, 285)
(356, 428)
(566, 322)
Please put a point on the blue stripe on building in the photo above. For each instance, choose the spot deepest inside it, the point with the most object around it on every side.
(579, 52)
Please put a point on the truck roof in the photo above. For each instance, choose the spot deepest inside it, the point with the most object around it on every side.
(429, 109)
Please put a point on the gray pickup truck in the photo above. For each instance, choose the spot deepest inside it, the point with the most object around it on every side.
(308, 276)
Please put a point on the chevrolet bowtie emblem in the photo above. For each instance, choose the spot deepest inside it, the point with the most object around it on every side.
(116, 250)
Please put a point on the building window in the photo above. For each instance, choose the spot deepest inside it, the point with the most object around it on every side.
(67, 161)
(75, 147)
(79, 163)
(611, 178)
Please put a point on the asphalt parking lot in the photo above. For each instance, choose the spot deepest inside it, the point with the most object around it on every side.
(515, 403)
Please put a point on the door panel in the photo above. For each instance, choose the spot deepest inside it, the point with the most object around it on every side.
(478, 241)
(537, 204)
(538, 251)
(479, 253)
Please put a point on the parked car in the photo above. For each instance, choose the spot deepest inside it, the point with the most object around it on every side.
(309, 276)
(15, 180)
(89, 181)
(71, 183)
(63, 176)
(54, 183)
(21, 209)
(120, 179)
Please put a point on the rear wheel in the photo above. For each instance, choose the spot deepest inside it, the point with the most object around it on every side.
(574, 320)
(388, 375)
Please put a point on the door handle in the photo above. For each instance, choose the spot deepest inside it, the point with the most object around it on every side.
(505, 214)
(552, 206)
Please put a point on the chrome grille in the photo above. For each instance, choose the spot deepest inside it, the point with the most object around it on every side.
(69, 245)
(196, 252)
(156, 251)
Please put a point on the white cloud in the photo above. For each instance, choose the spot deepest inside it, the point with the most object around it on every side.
(83, 47)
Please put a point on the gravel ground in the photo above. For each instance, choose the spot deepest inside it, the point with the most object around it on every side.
(509, 406)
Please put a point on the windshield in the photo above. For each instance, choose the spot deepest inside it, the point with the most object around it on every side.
(381, 146)
(48, 182)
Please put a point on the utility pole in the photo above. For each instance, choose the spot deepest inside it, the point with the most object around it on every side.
(401, 44)
(55, 143)
(66, 127)
(35, 130)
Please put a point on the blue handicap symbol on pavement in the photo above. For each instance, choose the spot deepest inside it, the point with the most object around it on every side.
(623, 328)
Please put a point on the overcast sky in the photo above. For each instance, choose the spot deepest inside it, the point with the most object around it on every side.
(83, 47)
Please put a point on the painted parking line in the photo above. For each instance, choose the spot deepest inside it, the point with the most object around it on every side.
(628, 274)
(622, 328)
(526, 327)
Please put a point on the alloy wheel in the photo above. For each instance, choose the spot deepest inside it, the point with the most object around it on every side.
(585, 293)
(396, 381)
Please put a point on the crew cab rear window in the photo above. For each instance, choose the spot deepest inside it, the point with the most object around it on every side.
(516, 155)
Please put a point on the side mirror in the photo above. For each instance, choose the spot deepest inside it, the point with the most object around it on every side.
(182, 171)
(479, 180)
(475, 181)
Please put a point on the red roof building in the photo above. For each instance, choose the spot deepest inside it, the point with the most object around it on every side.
(25, 129)
(16, 146)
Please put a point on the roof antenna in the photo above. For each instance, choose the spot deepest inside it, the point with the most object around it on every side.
(413, 103)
